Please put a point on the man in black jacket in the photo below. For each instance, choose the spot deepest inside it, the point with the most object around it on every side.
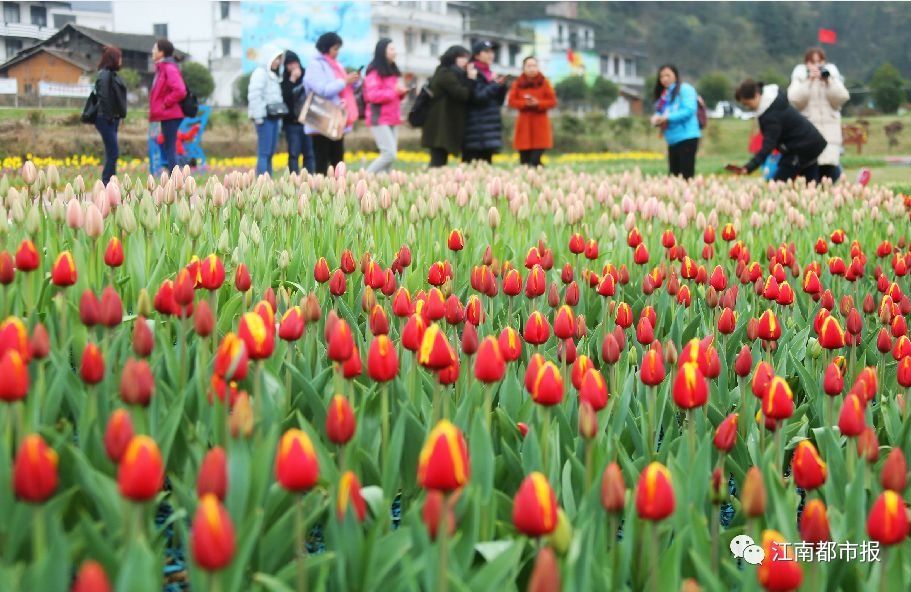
(484, 124)
(111, 93)
(299, 143)
(783, 128)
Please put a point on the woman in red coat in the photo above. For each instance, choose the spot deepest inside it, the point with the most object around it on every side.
(532, 96)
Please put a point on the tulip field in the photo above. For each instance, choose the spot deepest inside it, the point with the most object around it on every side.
(466, 379)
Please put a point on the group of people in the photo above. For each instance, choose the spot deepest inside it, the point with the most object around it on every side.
(802, 124)
(464, 114)
(165, 96)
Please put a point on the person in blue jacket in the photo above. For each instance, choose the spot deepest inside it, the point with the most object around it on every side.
(676, 106)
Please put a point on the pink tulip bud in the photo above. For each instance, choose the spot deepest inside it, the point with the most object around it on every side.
(75, 217)
(94, 223)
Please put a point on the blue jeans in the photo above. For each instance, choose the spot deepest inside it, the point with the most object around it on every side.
(299, 144)
(266, 141)
(169, 129)
(107, 127)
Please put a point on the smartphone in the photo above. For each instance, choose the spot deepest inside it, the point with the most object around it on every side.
(361, 69)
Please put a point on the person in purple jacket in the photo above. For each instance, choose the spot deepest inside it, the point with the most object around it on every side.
(326, 77)
(383, 91)
(168, 90)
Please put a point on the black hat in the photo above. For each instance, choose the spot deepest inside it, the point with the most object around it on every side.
(480, 46)
(291, 57)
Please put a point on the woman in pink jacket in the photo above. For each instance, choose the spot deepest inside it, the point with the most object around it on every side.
(383, 91)
(168, 90)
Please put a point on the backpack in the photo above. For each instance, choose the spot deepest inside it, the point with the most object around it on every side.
(189, 105)
(702, 115)
(420, 108)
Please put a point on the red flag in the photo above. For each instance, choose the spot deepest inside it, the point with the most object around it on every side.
(828, 36)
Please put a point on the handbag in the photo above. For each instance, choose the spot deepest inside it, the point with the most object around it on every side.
(90, 110)
(189, 105)
(276, 110)
(324, 116)
(420, 108)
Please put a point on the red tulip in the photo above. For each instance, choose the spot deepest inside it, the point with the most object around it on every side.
(814, 523)
(117, 434)
(184, 287)
(212, 539)
(547, 386)
(63, 272)
(321, 271)
(413, 333)
(349, 494)
(435, 352)
(340, 421)
(537, 330)
(113, 253)
(140, 474)
(257, 335)
(510, 343)
(296, 465)
(242, 281)
(564, 323)
(27, 258)
(14, 371)
(470, 340)
(779, 571)
(489, 365)
(34, 470)
(726, 434)
(211, 272)
(652, 371)
(213, 474)
(352, 367)
(593, 389)
(690, 388)
(443, 463)
(655, 493)
(432, 510)
(91, 578)
(888, 519)
(894, 473)
(92, 367)
(769, 328)
(456, 241)
(137, 385)
(7, 269)
(851, 421)
(231, 358)
(534, 508)
(808, 469)
(778, 401)
(382, 361)
(338, 284)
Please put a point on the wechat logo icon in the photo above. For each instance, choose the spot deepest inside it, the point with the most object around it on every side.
(743, 547)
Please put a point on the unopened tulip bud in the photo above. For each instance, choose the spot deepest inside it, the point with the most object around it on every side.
(753, 497)
(562, 536)
(241, 420)
(588, 421)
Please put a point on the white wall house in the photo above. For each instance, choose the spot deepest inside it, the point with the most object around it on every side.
(420, 30)
(24, 24)
(225, 56)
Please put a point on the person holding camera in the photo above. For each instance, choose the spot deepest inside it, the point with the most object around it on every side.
(294, 95)
(784, 129)
(818, 91)
(265, 106)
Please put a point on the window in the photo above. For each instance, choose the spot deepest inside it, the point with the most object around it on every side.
(160, 30)
(13, 46)
(10, 12)
(409, 41)
(513, 54)
(559, 32)
(61, 20)
(226, 47)
(604, 66)
(39, 16)
(629, 68)
(225, 11)
(616, 66)
(434, 44)
(382, 31)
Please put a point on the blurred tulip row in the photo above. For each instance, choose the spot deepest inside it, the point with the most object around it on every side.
(465, 379)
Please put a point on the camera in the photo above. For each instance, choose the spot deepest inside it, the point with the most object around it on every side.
(824, 73)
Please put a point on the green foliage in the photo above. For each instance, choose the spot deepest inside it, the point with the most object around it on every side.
(888, 88)
(603, 92)
(714, 87)
(572, 89)
(774, 76)
(240, 89)
(130, 78)
(198, 79)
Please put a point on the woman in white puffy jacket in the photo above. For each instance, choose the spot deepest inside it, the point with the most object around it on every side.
(818, 91)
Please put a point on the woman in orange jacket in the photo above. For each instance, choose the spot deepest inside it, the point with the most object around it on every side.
(532, 96)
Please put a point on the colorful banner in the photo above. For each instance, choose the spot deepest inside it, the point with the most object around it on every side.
(297, 26)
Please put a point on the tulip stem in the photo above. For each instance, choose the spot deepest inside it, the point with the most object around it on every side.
(39, 542)
(443, 535)
(588, 465)
(779, 427)
(300, 544)
(545, 435)
(384, 420)
(691, 432)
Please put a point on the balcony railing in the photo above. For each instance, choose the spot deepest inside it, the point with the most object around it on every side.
(25, 30)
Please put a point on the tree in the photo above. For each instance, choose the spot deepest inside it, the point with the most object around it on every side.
(773, 76)
(240, 89)
(603, 92)
(888, 88)
(198, 79)
(572, 89)
(714, 87)
(130, 78)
